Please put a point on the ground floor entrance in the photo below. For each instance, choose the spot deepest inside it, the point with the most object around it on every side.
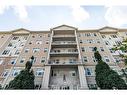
(64, 78)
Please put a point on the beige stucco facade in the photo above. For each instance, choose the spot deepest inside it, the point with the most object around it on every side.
(64, 56)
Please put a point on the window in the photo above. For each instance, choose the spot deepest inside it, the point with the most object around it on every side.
(43, 60)
(17, 52)
(48, 35)
(6, 52)
(26, 50)
(101, 48)
(94, 60)
(40, 36)
(30, 42)
(1, 61)
(107, 43)
(22, 60)
(39, 42)
(95, 34)
(10, 45)
(98, 41)
(103, 36)
(88, 71)
(5, 73)
(22, 44)
(33, 36)
(117, 60)
(83, 49)
(73, 73)
(39, 72)
(113, 36)
(54, 74)
(118, 42)
(79, 35)
(72, 60)
(87, 34)
(2, 36)
(85, 59)
(57, 61)
(36, 50)
(15, 72)
(15, 38)
(45, 49)
(13, 61)
(25, 38)
(80, 41)
(106, 59)
(47, 42)
(112, 51)
(90, 41)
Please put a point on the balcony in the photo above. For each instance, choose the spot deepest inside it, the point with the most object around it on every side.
(64, 38)
(51, 62)
(64, 44)
(60, 53)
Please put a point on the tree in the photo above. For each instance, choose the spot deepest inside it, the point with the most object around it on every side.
(97, 55)
(0, 86)
(25, 80)
(122, 47)
(106, 78)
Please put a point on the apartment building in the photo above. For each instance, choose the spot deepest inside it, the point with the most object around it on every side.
(63, 56)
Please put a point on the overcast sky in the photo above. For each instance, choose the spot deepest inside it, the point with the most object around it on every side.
(45, 17)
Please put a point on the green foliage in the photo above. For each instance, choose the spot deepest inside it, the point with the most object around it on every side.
(97, 56)
(109, 79)
(95, 48)
(0, 86)
(123, 48)
(32, 57)
(106, 78)
(115, 80)
(25, 80)
(101, 67)
(28, 65)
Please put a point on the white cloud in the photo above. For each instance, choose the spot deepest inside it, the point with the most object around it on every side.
(3, 7)
(21, 12)
(79, 14)
(116, 15)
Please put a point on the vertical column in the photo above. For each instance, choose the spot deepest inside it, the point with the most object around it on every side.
(78, 45)
(48, 56)
(46, 77)
(82, 77)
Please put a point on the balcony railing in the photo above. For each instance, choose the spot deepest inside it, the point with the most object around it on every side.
(63, 62)
(64, 42)
(63, 51)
